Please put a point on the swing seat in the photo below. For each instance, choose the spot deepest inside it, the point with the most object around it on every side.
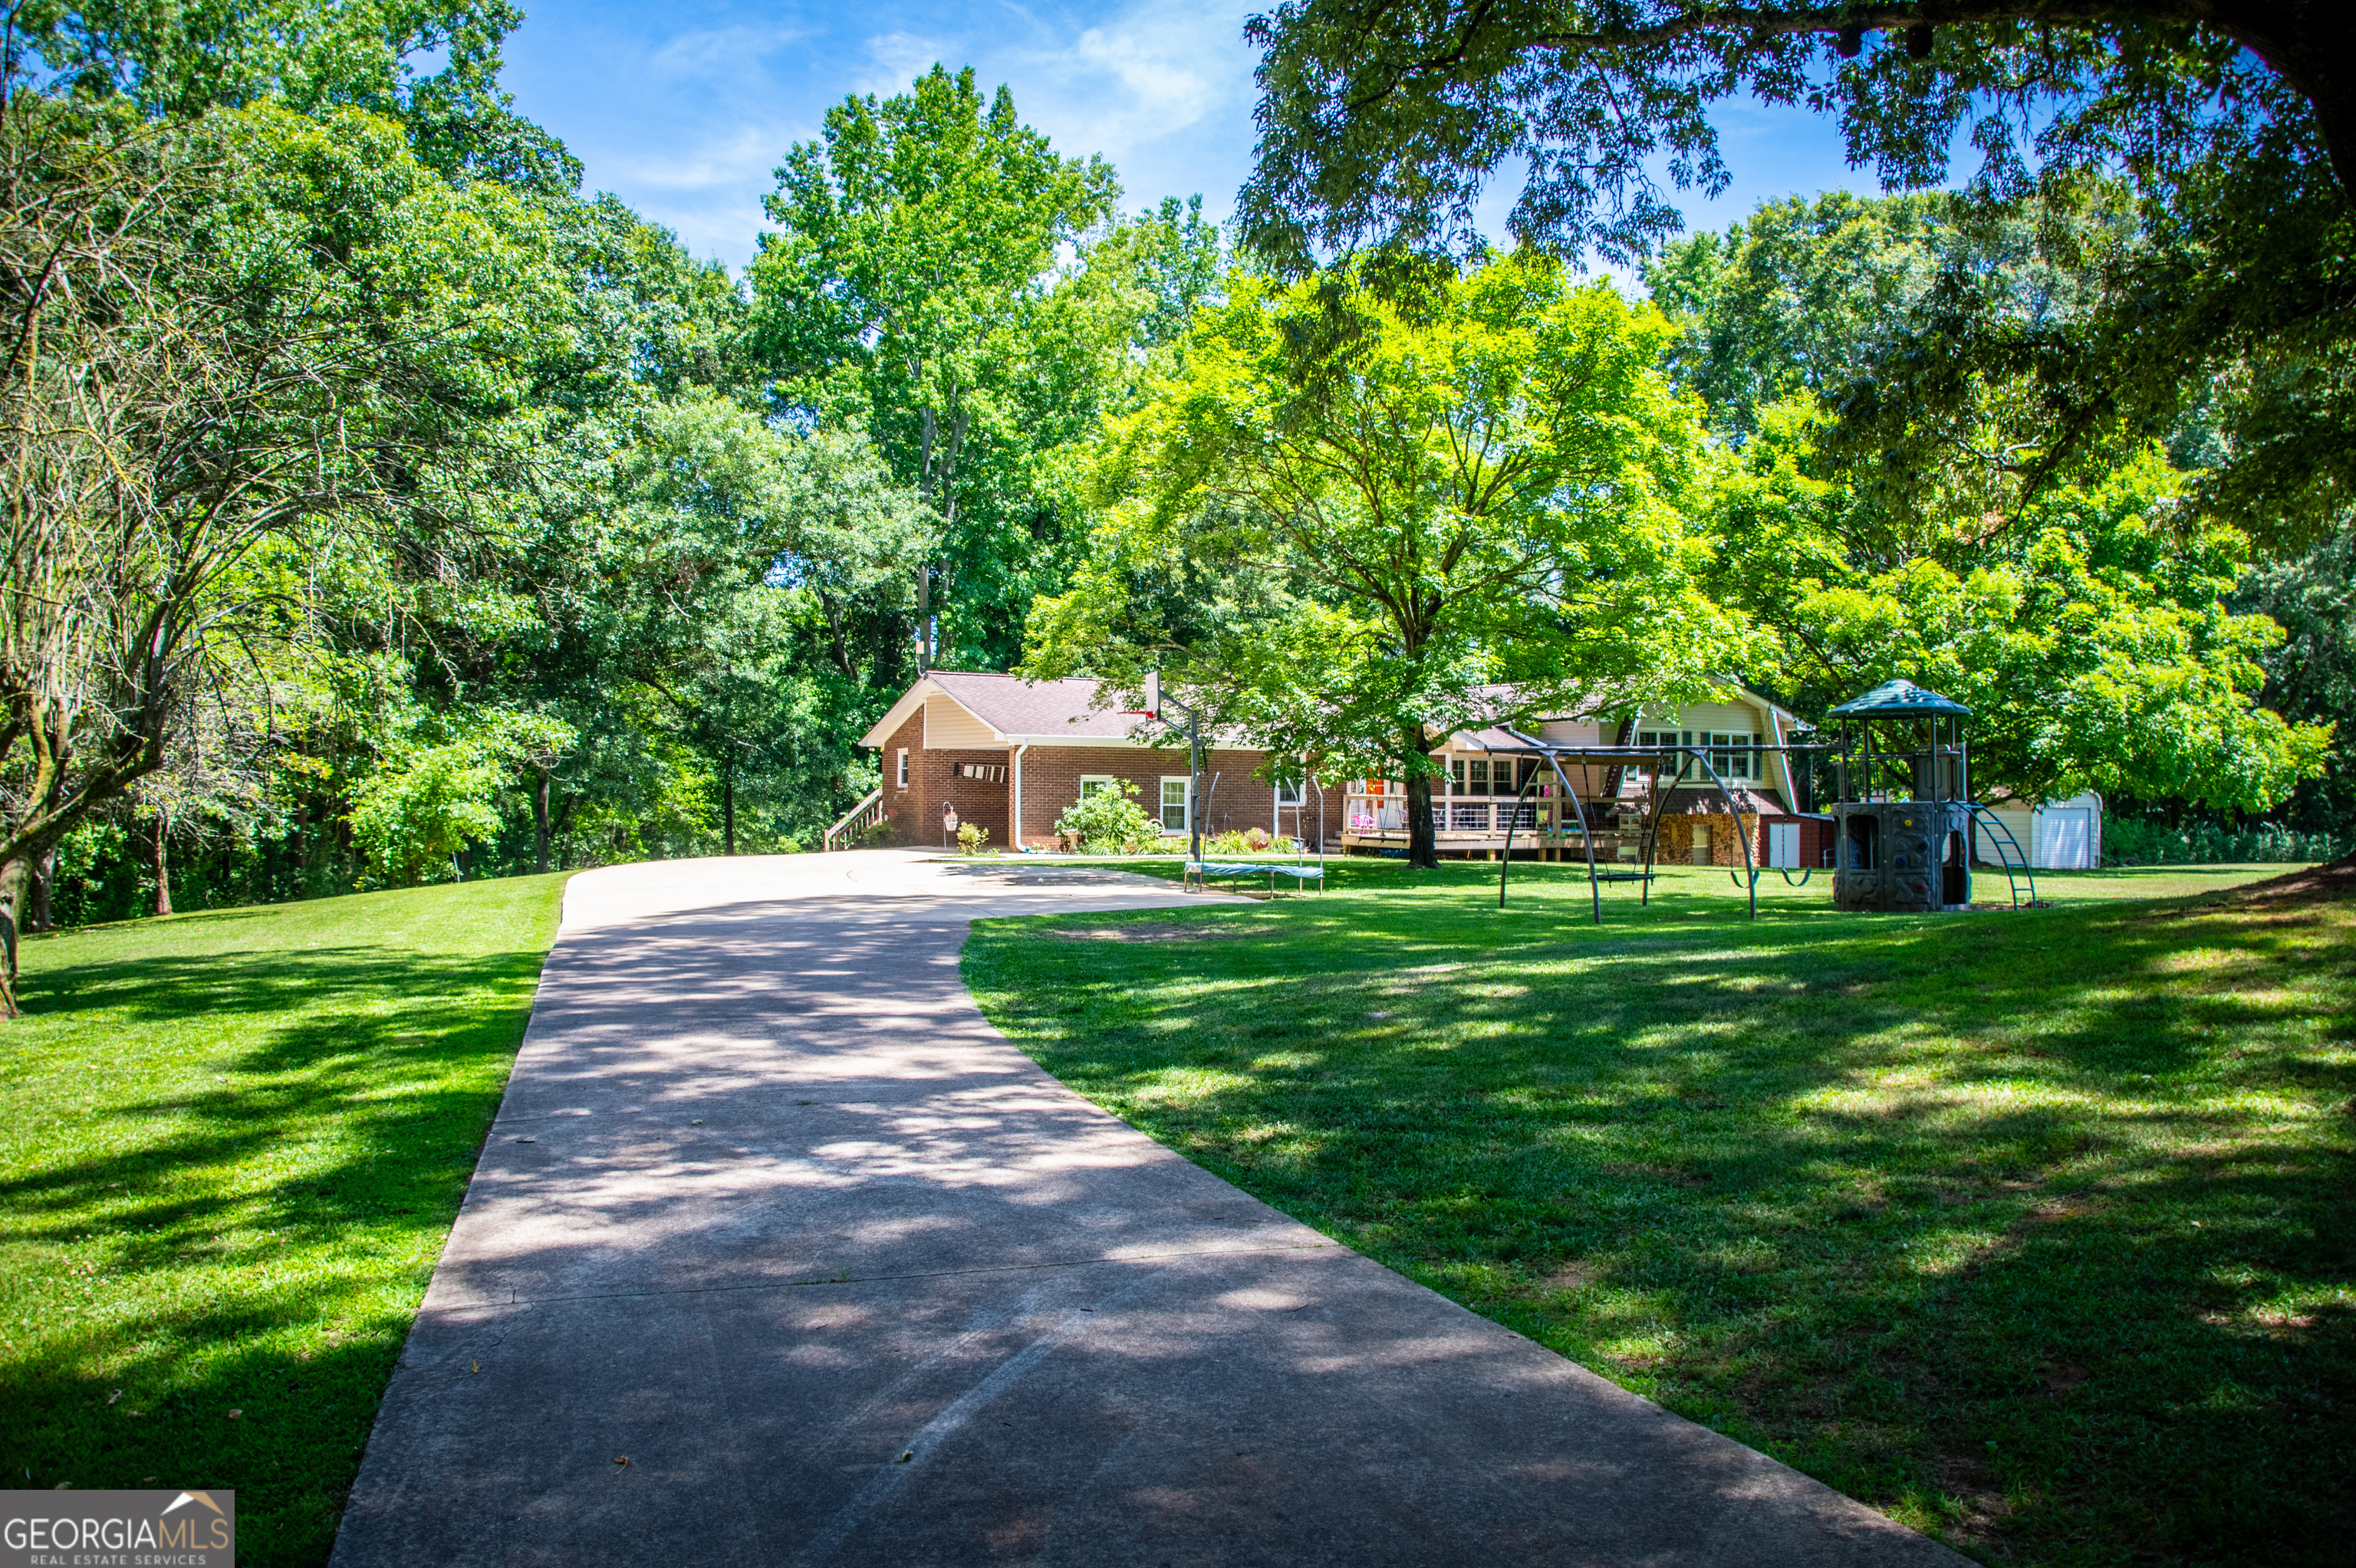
(1199, 872)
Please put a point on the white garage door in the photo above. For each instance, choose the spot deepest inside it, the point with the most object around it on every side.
(2065, 839)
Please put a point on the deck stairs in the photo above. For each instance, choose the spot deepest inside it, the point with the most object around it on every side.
(856, 821)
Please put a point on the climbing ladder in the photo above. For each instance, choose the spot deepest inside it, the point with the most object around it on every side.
(2009, 853)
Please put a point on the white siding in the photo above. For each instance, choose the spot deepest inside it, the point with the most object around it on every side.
(1988, 847)
(1731, 718)
(950, 727)
(2059, 835)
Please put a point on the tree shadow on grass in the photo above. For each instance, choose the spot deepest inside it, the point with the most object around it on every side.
(2015, 1224)
(265, 1237)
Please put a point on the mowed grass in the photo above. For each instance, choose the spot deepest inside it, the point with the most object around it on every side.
(2032, 1228)
(234, 1144)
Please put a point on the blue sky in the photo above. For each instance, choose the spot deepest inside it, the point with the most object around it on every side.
(683, 110)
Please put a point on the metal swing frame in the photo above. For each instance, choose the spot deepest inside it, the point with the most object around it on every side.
(1687, 758)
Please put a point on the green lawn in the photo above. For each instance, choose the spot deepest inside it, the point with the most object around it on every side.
(235, 1142)
(2032, 1228)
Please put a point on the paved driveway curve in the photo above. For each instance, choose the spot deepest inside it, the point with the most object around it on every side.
(772, 1212)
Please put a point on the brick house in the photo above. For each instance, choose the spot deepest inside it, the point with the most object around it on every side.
(1009, 755)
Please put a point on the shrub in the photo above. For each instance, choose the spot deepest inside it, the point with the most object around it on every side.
(1109, 820)
(877, 831)
(1257, 839)
(2129, 842)
(972, 836)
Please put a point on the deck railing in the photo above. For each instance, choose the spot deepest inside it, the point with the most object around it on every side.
(1456, 814)
(857, 820)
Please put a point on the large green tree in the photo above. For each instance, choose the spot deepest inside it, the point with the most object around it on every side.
(753, 551)
(229, 337)
(2092, 630)
(1340, 525)
(911, 291)
(2084, 606)
(2228, 127)
(431, 65)
(1385, 123)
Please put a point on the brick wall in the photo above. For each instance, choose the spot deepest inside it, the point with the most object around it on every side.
(1052, 775)
(980, 800)
(910, 811)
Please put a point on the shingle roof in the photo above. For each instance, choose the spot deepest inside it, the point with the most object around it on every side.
(1687, 800)
(1015, 706)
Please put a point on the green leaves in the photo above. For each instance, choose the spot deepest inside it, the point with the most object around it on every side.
(1381, 127)
(1342, 519)
(1108, 820)
(2091, 634)
(916, 292)
(438, 789)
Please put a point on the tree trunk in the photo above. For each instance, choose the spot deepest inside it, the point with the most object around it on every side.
(38, 913)
(540, 821)
(163, 866)
(924, 619)
(1422, 842)
(13, 876)
(728, 807)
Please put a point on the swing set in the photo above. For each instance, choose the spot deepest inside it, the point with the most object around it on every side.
(1652, 762)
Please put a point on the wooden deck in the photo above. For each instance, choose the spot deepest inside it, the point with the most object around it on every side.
(1612, 846)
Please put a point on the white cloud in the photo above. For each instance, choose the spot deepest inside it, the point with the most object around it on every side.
(721, 227)
(896, 59)
(709, 50)
(748, 152)
(1139, 77)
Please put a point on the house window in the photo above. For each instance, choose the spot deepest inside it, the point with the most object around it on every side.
(1091, 782)
(1731, 754)
(1667, 738)
(1288, 795)
(903, 768)
(1175, 795)
(988, 773)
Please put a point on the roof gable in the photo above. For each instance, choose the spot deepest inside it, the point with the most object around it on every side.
(1017, 710)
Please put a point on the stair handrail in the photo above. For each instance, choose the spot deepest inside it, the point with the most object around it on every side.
(849, 823)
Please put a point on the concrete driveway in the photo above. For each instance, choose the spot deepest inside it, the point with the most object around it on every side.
(772, 1214)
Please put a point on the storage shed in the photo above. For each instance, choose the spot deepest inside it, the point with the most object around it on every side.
(2058, 835)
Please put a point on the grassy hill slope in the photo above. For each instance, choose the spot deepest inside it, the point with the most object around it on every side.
(234, 1144)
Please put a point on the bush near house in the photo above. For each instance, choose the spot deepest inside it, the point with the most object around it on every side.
(1109, 821)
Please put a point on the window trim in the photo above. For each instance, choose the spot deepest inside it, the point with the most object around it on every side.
(903, 774)
(1185, 783)
(1100, 781)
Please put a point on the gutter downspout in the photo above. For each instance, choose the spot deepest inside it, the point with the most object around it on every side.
(1783, 762)
(1017, 833)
